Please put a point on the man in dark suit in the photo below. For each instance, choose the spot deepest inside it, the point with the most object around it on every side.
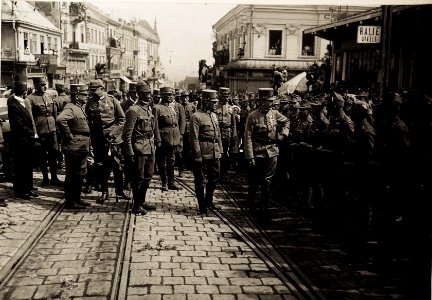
(23, 133)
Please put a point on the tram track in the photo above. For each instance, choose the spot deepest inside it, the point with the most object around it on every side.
(258, 240)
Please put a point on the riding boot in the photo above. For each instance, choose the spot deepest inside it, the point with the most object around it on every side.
(171, 184)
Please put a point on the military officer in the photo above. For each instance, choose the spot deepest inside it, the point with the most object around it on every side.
(181, 121)
(62, 99)
(264, 127)
(168, 123)
(206, 149)
(44, 114)
(131, 97)
(156, 96)
(140, 134)
(189, 108)
(106, 119)
(227, 125)
(72, 123)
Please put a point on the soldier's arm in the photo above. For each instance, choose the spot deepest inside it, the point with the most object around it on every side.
(131, 117)
(193, 137)
(120, 118)
(284, 122)
(248, 138)
(156, 131)
(234, 126)
(62, 122)
(182, 119)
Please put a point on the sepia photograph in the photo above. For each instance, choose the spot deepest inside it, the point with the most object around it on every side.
(215, 150)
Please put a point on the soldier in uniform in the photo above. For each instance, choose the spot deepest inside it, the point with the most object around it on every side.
(156, 96)
(23, 134)
(206, 148)
(261, 137)
(140, 134)
(62, 99)
(190, 109)
(227, 125)
(168, 123)
(181, 121)
(131, 97)
(44, 114)
(106, 120)
(72, 123)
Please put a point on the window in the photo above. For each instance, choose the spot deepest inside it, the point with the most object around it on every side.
(42, 44)
(33, 44)
(26, 40)
(275, 42)
(82, 33)
(91, 36)
(55, 44)
(49, 44)
(308, 45)
(100, 39)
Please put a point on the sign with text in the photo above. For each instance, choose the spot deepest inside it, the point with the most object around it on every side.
(368, 34)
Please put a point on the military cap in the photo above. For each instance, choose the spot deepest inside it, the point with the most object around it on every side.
(294, 103)
(39, 81)
(185, 93)
(304, 105)
(142, 86)
(209, 95)
(224, 91)
(265, 94)
(338, 100)
(78, 88)
(276, 101)
(132, 86)
(284, 100)
(316, 103)
(166, 90)
(156, 92)
(177, 93)
(60, 86)
(94, 84)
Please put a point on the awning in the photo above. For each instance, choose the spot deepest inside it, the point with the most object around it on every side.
(267, 64)
(125, 79)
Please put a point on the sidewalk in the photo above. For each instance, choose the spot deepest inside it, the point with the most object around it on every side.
(21, 220)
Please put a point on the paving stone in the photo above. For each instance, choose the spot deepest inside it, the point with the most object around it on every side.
(101, 288)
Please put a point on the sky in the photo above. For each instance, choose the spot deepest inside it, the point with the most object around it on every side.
(185, 27)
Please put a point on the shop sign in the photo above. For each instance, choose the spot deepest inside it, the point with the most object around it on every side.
(368, 34)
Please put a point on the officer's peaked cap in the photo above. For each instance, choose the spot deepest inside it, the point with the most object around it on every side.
(265, 94)
(94, 84)
(60, 86)
(142, 86)
(132, 87)
(224, 90)
(209, 95)
(78, 88)
(39, 81)
(166, 90)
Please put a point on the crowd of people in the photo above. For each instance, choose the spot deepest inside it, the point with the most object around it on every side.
(360, 160)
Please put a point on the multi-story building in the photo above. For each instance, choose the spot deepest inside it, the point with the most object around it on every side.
(96, 39)
(252, 39)
(30, 43)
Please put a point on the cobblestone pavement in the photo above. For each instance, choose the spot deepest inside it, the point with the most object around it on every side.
(21, 219)
(321, 255)
(174, 253)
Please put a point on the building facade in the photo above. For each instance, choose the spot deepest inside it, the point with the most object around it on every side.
(30, 43)
(252, 39)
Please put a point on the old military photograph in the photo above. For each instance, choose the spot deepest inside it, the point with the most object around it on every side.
(215, 150)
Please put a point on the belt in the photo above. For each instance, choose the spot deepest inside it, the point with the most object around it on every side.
(206, 140)
(105, 126)
(81, 133)
(222, 126)
(147, 135)
(169, 126)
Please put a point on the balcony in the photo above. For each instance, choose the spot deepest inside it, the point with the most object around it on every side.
(78, 49)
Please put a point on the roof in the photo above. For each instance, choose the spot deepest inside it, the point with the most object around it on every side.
(327, 32)
(25, 13)
(147, 31)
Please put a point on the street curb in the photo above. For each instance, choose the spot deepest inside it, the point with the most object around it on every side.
(13, 264)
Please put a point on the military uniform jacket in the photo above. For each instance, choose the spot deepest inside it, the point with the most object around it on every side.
(140, 131)
(125, 104)
(167, 119)
(261, 133)
(61, 101)
(227, 123)
(205, 136)
(72, 122)
(112, 117)
(44, 113)
(189, 109)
